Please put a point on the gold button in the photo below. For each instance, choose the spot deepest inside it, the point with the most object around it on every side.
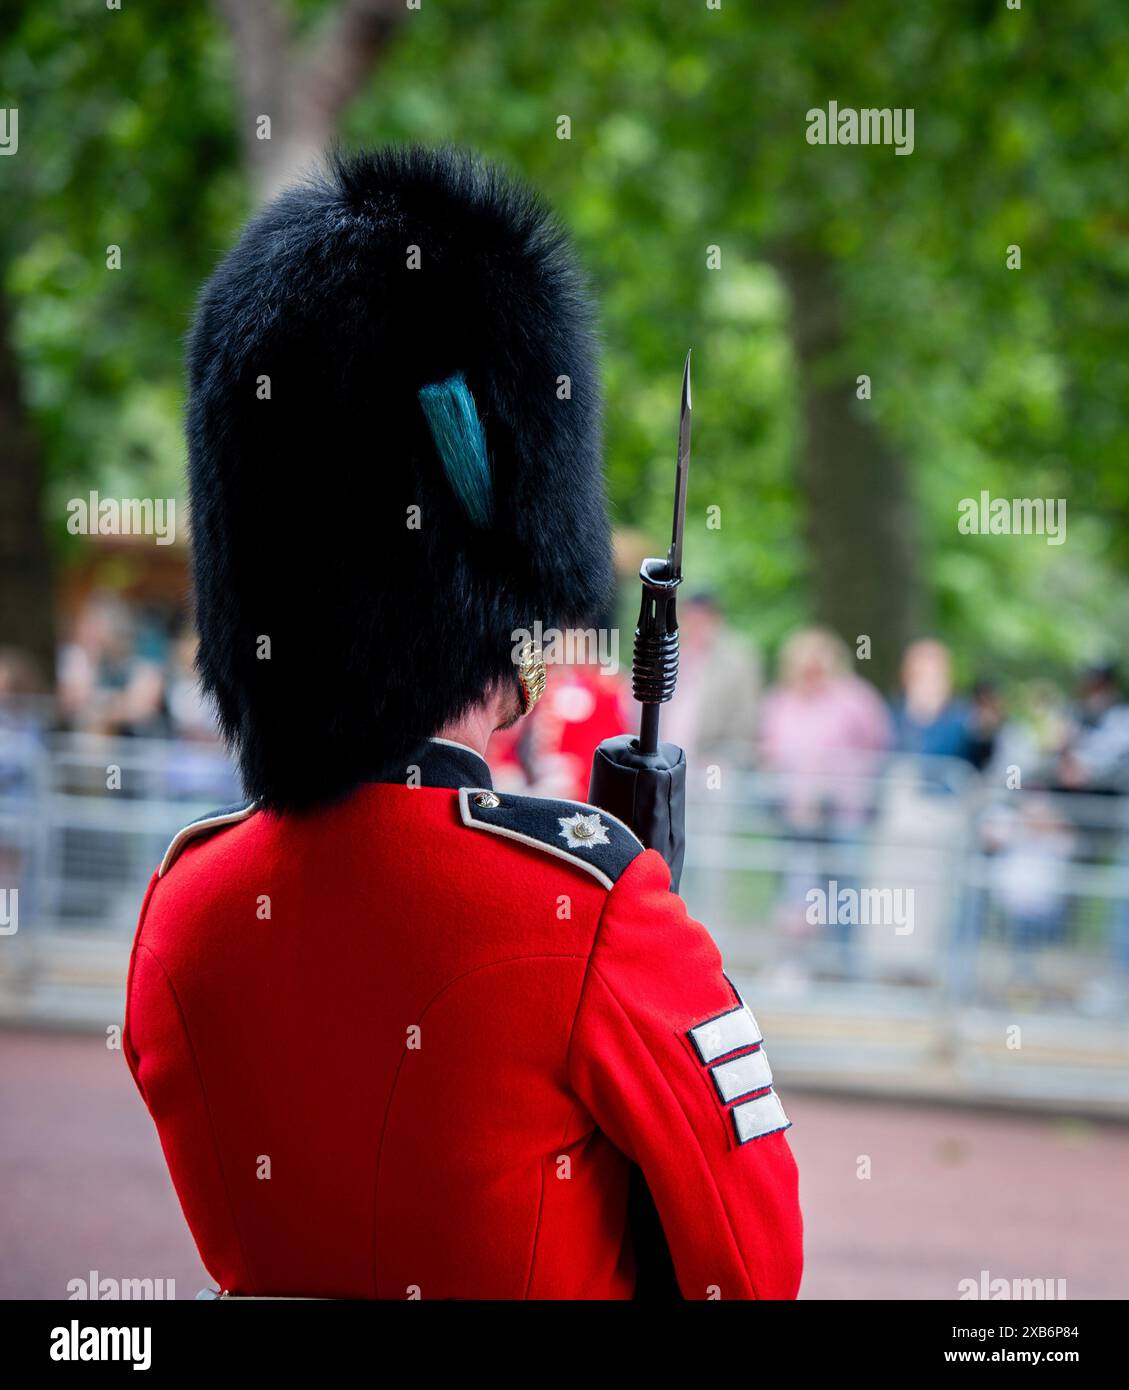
(487, 800)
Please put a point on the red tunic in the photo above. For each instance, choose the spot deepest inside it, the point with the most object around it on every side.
(411, 1044)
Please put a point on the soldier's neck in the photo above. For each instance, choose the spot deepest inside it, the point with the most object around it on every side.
(474, 728)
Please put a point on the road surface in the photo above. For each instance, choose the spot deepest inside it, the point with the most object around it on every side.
(950, 1192)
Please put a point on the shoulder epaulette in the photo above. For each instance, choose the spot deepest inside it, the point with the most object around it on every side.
(205, 825)
(582, 835)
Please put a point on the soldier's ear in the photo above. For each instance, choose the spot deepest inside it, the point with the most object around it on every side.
(509, 703)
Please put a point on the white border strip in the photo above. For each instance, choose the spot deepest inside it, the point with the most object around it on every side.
(590, 810)
(451, 743)
(532, 841)
(189, 832)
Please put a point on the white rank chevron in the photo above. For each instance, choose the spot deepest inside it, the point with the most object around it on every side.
(731, 1049)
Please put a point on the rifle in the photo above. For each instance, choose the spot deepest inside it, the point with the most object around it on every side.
(638, 778)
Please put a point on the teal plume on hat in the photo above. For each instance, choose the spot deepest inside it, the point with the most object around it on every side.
(461, 441)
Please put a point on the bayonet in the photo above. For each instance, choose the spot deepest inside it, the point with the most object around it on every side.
(639, 779)
(654, 668)
(674, 555)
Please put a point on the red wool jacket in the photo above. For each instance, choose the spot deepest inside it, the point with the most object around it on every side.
(411, 1046)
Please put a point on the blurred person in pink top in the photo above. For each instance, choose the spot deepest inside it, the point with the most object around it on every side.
(823, 731)
(821, 726)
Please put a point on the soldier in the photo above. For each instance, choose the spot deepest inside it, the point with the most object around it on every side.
(401, 1035)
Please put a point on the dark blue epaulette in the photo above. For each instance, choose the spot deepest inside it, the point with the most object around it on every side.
(204, 825)
(582, 835)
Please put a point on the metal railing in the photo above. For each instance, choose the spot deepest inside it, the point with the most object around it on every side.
(893, 928)
(924, 877)
(84, 820)
(925, 931)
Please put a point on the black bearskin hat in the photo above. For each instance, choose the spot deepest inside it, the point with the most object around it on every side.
(394, 463)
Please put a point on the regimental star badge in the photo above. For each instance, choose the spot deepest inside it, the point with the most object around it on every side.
(582, 832)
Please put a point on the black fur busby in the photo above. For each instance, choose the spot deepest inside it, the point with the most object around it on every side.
(394, 463)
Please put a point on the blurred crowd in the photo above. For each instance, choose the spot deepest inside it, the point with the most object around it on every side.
(822, 742)
(821, 723)
(123, 671)
(126, 671)
(861, 790)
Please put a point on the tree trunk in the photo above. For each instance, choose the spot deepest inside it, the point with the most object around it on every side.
(303, 92)
(861, 529)
(27, 597)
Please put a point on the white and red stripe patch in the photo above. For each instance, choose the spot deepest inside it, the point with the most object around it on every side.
(730, 1048)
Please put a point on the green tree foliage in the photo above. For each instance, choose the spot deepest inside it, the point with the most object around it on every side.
(125, 139)
(687, 131)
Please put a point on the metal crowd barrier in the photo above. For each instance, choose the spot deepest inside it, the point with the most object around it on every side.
(923, 930)
(84, 821)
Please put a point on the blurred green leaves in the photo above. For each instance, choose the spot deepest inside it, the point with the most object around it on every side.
(687, 131)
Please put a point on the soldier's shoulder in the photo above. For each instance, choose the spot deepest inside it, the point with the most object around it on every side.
(208, 824)
(573, 831)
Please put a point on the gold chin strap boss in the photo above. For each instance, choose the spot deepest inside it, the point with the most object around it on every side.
(531, 675)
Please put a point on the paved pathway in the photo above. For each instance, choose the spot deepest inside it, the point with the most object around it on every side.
(83, 1187)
